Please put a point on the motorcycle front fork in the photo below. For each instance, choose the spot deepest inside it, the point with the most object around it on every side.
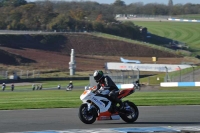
(90, 106)
(92, 109)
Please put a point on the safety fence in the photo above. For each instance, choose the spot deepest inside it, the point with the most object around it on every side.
(120, 77)
(182, 75)
(22, 74)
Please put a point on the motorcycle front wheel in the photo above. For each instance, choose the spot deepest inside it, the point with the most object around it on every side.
(87, 117)
(131, 112)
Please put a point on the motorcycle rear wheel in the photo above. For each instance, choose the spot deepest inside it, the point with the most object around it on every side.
(85, 116)
(130, 115)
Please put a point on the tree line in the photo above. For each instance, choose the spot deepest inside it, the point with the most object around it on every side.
(155, 8)
(82, 15)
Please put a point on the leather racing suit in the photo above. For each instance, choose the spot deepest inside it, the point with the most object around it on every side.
(108, 88)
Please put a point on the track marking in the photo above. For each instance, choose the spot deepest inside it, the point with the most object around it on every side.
(124, 130)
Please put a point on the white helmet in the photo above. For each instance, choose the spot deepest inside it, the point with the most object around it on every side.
(70, 81)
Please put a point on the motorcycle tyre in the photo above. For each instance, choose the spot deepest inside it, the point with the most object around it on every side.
(82, 118)
(124, 116)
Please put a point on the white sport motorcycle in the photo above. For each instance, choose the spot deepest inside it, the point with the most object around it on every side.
(97, 107)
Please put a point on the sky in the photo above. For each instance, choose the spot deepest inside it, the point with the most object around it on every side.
(133, 1)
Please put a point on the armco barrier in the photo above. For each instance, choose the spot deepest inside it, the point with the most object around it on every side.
(124, 86)
(183, 20)
(179, 84)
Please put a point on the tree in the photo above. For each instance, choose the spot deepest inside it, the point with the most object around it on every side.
(99, 18)
(14, 3)
(119, 3)
(170, 5)
(78, 14)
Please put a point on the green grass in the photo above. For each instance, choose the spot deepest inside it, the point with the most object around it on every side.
(70, 99)
(39, 99)
(167, 98)
(28, 99)
(186, 32)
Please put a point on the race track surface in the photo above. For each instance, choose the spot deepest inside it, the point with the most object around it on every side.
(66, 120)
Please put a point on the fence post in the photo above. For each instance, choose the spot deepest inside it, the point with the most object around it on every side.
(166, 73)
(6, 74)
(180, 72)
(33, 73)
(133, 74)
(192, 73)
(138, 73)
(21, 73)
(27, 74)
(128, 75)
(122, 76)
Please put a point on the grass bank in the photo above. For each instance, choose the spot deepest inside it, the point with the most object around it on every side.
(186, 32)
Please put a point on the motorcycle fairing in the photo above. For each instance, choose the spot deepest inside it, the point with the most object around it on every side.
(108, 116)
(125, 92)
(102, 102)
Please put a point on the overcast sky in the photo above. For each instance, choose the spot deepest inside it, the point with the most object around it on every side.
(133, 1)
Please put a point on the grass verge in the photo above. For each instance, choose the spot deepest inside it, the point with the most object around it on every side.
(70, 99)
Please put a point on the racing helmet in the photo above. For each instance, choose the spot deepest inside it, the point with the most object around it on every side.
(98, 75)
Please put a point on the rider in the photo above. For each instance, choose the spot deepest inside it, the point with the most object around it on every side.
(106, 86)
(3, 86)
(70, 85)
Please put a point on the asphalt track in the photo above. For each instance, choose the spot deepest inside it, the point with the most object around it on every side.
(67, 119)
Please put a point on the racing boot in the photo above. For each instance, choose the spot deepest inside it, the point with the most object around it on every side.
(113, 97)
(121, 106)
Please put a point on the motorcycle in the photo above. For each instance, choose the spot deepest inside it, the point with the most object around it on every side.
(97, 107)
(12, 87)
(3, 87)
(69, 88)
